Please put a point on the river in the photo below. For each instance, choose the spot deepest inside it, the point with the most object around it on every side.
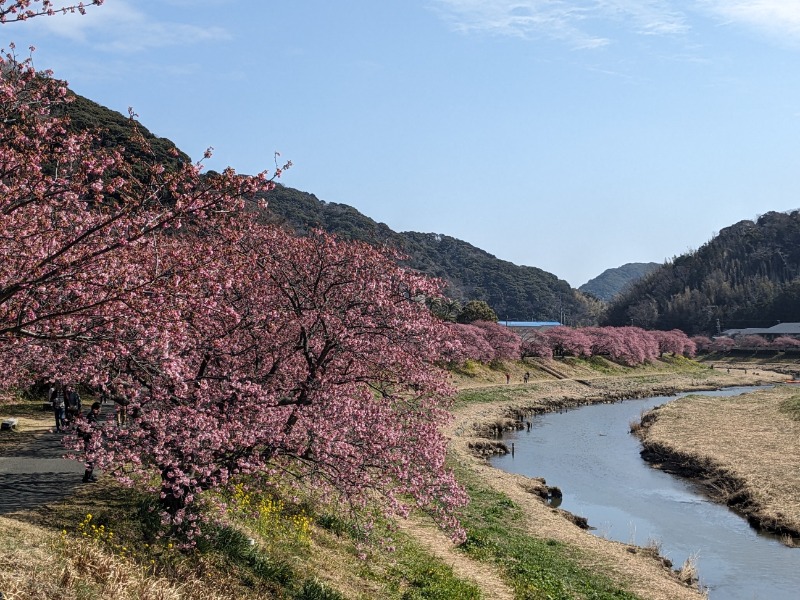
(590, 455)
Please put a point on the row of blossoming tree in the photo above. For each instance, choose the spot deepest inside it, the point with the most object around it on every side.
(486, 342)
(745, 342)
(243, 353)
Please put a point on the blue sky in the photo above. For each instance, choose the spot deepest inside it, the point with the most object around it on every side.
(570, 136)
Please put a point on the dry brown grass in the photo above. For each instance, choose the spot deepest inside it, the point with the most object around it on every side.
(38, 563)
(688, 572)
(747, 443)
(32, 420)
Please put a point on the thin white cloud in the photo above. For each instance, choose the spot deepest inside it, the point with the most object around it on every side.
(646, 17)
(579, 23)
(121, 27)
(775, 18)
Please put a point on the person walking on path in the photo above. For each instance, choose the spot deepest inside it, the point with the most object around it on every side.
(58, 399)
(92, 418)
(73, 400)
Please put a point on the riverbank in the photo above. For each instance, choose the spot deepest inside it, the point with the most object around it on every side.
(744, 450)
(517, 545)
(482, 411)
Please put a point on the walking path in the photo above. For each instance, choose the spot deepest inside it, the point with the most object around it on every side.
(32, 470)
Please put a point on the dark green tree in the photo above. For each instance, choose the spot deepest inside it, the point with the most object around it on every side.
(446, 309)
(477, 310)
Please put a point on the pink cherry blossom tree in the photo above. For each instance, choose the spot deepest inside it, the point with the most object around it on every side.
(244, 352)
(751, 341)
(674, 342)
(568, 341)
(722, 344)
(505, 344)
(471, 343)
(536, 344)
(79, 222)
(702, 343)
(628, 345)
(310, 356)
(785, 342)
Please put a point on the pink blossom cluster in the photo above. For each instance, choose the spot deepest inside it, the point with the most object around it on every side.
(483, 341)
(243, 353)
(748, 342)
(627, 345)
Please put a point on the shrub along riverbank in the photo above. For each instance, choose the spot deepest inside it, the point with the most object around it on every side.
(285, 546)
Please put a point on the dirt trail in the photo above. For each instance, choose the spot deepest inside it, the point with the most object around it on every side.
(438, 544)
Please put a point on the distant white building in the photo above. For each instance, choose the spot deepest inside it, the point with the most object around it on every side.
(770, 333)
(523, 327)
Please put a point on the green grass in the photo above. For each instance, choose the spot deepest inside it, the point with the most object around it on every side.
(17, 406)
(468, 368)
(602, 365)
(683, 363)
(489, 394)
(536, 569)
(791, 407)
(408, 571)
(265, 562)
(413, 574)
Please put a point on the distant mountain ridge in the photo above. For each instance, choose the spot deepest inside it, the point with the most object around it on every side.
(612, 281)
(514, 292)
(747, 276)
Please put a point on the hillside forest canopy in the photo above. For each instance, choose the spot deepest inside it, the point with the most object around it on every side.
(469, 273)
(746, 276)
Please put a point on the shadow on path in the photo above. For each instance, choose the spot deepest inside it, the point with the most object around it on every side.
(33, 472)
(21, 491)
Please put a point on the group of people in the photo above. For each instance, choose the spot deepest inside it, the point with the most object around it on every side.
(525, 377)
(66, 403)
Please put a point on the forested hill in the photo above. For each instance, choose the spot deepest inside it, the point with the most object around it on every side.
(612, 281)
(514, 292)
(115, 129)
(747, 276)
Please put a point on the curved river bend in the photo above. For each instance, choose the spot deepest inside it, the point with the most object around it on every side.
(590, 455)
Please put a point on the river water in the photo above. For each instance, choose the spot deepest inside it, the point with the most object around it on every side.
(590, 455)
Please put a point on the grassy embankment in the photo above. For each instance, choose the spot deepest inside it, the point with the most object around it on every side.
(517, 547)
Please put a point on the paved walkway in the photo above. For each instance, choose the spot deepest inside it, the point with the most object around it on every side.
(32, 471)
